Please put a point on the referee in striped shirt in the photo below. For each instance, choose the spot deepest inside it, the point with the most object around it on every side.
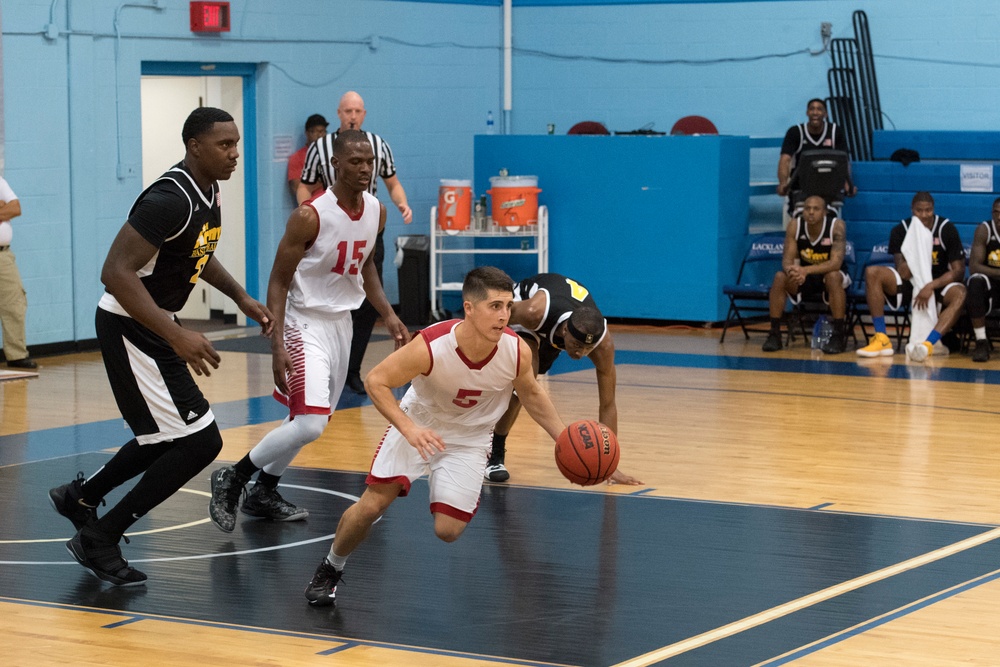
(351, 112)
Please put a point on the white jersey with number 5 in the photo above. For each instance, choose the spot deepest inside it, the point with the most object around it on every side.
(459, 399)
(328, 278)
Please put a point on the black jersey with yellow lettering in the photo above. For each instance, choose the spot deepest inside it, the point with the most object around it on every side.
(184, 223)
(947, 246)
(992, 258)
(564, 295)
(815, 250)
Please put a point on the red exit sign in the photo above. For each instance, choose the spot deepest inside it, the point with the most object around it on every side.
(209, 17)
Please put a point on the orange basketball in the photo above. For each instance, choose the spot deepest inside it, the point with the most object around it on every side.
(587, 452)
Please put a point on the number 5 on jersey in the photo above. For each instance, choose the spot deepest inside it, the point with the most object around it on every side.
(357, 257)
(464, 397)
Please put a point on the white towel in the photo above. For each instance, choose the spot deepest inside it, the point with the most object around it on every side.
(918, 248)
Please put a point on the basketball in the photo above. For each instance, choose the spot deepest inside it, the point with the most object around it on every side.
(587, 452)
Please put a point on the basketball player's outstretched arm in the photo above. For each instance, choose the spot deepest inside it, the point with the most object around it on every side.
(603, 358)
(534, 399)
(394, 371)
(216, 275)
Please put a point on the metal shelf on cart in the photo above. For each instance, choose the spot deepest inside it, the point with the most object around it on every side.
(441, 238)
(485, 251)
(498, 233)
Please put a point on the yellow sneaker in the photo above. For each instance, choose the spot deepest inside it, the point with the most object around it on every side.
(878, 346)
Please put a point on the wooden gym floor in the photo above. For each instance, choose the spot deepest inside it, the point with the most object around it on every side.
(796, 509)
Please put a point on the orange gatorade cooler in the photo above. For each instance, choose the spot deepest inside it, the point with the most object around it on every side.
(515, 201)
(454, 205)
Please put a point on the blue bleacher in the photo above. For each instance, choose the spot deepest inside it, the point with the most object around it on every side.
(935, 177)
(938, 144)
(960, 208)
(886, 188)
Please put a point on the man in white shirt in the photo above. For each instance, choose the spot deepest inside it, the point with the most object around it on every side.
(13, 302)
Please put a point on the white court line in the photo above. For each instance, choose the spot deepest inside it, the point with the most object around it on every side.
(807, 601)
(186, 525)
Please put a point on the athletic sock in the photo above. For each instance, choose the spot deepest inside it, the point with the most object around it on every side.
(980, 332)
(879, 324)
(246, 467)
(775, 325)
(336, 561)
(934, 337)
(268, 481)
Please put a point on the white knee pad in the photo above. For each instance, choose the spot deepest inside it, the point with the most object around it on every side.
(276, 450)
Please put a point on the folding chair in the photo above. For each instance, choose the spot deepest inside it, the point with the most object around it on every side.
(857, 296)
(809, 309)
(749, 296)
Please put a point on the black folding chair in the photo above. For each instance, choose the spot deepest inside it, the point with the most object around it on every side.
(749, 296)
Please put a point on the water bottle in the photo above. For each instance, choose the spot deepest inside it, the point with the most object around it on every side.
(822, 332)
(489, 122)
(484, 216)
(477, 217)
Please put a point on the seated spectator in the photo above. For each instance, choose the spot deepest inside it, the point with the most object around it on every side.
(815, 134)
(813, 264)
(895, 286)
(984, 280)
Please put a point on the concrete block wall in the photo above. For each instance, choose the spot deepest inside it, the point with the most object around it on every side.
(429, 72)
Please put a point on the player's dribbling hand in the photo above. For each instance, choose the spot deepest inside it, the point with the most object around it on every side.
(618, 477)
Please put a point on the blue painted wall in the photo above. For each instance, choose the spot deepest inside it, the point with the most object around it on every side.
(427, 97)
(429, 76)
(937, 63)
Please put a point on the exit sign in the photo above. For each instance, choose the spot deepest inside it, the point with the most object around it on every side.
(209, 17)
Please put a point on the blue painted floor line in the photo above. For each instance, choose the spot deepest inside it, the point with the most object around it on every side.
(898, 369)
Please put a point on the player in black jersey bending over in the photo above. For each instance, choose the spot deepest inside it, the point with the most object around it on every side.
(160, 253)
(555, 313)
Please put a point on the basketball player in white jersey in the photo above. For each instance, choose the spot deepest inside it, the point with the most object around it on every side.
(323, 270)
(461, 374)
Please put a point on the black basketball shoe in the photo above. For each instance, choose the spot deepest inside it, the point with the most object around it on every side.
(773, 342)
(227, 487)
(267, 503)
(65, 500)
(103, 557)
(322, 590)
(495, 469)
